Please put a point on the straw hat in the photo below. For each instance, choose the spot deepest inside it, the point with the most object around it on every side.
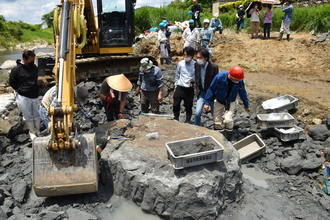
(119, 83)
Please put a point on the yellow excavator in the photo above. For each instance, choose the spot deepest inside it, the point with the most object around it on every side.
(86, 46)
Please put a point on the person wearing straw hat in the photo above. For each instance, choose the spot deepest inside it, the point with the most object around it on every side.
(113, 92)
(150, 86)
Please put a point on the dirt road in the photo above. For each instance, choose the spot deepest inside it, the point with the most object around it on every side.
(274, 68)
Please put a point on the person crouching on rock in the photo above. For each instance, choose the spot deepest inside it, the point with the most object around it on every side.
(224, 87)
(150, 86)
(23, 79)
(113, 93)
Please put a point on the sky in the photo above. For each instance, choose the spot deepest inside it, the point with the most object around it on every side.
(31, 11)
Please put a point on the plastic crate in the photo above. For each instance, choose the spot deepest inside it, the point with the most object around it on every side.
(194, 159)
(291, 103)
(289, 134)
(250, 147)
(272, 120)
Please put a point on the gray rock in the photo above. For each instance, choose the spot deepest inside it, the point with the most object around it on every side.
(21, 138)
(327, 154)
(75, 214)
(292, 164)
(319, 132)
(322, 37)
(3, 215)
(18, 190)
(313, 163)
(142, 172)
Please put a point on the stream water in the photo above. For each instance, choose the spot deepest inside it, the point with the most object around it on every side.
(14, 55)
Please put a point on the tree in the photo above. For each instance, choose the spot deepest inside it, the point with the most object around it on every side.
(48, 19)
(3, 26)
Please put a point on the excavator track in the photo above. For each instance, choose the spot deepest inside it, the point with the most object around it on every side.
(98, 67)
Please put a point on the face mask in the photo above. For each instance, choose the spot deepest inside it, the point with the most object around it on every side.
(200, 61)
(31, 64)
(187, 59)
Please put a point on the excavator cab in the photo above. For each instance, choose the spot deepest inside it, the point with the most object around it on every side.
(115, 20)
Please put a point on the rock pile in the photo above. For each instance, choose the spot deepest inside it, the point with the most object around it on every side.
(299, 163)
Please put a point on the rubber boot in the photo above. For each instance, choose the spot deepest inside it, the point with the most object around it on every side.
(280, 37)
(288, 37)
(36, 127)
(30, 126)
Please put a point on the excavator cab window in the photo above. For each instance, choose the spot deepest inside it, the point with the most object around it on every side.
(116, 23)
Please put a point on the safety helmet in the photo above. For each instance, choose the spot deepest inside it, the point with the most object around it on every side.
(165, 22)
(216, 15)
(161, 25)
(236, 72)
(190, 13)
(206, 20)
(191, 21)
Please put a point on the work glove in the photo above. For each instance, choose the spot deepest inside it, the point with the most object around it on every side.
(108, 99)
(94, 121)
(121, 115)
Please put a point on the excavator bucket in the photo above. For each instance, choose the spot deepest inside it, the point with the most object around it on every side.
(57, 173)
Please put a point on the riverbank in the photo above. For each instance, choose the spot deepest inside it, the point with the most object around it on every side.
(38, 43)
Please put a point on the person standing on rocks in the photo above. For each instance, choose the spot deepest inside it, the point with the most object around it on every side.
(287, 19)
(240, 18)
(23, 79)
(191, 36)
(196, 9)
(207, 36)
(150, 86)
(50, 98)
(113, 92)
(163, 41)
(184, 84)
(224, 87)
(205, 71)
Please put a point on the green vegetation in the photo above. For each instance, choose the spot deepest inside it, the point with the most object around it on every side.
(304, 19)
(13, 33)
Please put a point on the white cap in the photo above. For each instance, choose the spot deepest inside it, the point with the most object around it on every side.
(206, 20)
(216, 15)
(241, 6)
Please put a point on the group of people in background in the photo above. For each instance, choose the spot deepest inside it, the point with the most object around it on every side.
(254, 14)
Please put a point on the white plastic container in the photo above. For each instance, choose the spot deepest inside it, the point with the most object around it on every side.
(250, 147)
(194, 159)
(280, 104)
(272, 120)
(289, 134)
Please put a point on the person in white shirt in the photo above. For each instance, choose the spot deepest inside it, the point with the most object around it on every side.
(163, 40)
(191, 36)
(184, 84)
(254, 21)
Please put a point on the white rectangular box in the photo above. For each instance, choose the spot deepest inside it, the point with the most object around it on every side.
(250, 147)
(194, 159)
(289, 134)
(272, 120)
(280, 104)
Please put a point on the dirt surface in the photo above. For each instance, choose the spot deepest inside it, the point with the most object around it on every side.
(300, 67)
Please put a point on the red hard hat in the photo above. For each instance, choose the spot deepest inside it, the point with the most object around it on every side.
(236, 72)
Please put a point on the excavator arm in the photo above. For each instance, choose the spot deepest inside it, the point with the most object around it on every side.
(65, 162)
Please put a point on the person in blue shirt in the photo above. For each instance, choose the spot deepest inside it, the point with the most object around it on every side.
(216, 24)
(150, 86)
(287, 19)
(206, 35)
(224, 88)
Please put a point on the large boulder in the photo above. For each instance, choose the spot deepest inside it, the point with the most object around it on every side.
(141, 171)
(319, 132)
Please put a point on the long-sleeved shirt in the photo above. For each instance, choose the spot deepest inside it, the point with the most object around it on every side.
(268, 17)
(151, 81)
(219, 88)
(207, 34)
(288, 13)
(190, 37)
(162, 36)
(216, 22)
(185, 73)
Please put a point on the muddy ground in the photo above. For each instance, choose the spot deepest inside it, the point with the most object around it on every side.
(300, 67)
